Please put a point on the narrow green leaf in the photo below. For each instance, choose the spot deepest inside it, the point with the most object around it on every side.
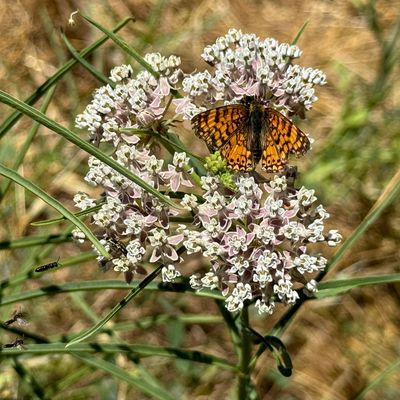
(117, 308)
(20, 278)
(52, 221)
(79, 300)
(299, 33)
(137, 131)
(97, 74)
(25, 147)
(229, 320)
(161, 319)
(69, 380)
(336, 287)
(137, 379)
(377, 380)
(103, 285)
(89, 148)
(28, 241)
(145, 324)
(16, 115)
(82, 257)
(280, 354)
(26, 375)
(55, 204)
(141, 350)
(124, 46)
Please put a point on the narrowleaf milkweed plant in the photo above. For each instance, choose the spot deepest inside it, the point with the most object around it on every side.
(255, 236)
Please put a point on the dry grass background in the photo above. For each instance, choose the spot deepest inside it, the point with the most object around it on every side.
(337, 345)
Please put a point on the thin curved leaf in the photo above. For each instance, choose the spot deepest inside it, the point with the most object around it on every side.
(299, 33)
(377, 380)
(277, 349)
(52, 221)
(137, 379)
(28, 241)
(103, 285)
(123, 45)
(141, 350)
(55, 204)
(98, 75)
(29, 138)
(30, 274)
(337, 287)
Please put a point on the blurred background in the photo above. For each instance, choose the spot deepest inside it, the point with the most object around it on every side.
(337, 345)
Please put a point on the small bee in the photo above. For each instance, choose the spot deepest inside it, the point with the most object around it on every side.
(42, 268)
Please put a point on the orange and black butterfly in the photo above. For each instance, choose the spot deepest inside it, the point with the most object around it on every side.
(246, 133)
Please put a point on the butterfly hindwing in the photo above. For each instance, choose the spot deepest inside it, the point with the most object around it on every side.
(272, 160)
(237, 151)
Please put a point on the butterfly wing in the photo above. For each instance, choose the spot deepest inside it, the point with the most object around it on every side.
(282, 139)
(237, 151)
(226, 129)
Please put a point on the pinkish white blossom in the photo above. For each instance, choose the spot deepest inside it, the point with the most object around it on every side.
(262, 253)
(245, 65)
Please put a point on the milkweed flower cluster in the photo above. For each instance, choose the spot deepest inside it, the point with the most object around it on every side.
(258, 240)
(245, 65)
(130, 219)
(256, 237)
(132, 103)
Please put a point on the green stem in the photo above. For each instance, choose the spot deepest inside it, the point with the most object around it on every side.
(244, 356)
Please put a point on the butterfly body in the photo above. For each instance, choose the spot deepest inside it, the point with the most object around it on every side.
(257, 131)
(246, 133)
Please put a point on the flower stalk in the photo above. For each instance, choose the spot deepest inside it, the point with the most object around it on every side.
(244, 355)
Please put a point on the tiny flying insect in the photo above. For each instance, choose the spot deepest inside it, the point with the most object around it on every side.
(45, 267)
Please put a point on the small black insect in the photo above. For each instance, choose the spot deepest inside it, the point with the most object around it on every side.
(54, 264)
(116, 250)
(16, 318)
(15, 343)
